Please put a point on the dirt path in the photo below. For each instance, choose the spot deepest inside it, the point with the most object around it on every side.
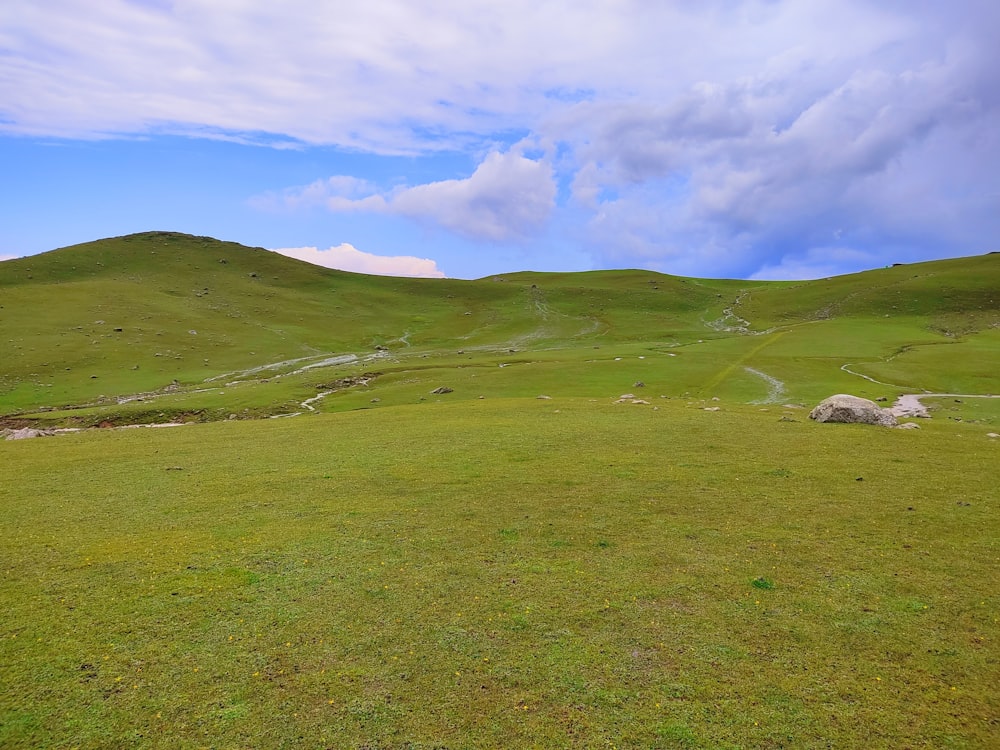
(847, 368)
(775, 388)
(319, 360)
(546, 326)
(729, 370)
(909, 404)
(730, 321)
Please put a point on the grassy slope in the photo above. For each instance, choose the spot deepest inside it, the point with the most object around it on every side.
(60, 348)
(60, 311)
(443, 571)
(255, 308)
(502, 573)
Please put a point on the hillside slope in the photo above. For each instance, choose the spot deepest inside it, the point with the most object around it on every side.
(93, 323)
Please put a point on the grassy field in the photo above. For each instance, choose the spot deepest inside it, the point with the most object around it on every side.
(527, 573)
(396, 568)
(176, 319)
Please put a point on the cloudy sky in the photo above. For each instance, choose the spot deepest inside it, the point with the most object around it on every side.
(752, 139)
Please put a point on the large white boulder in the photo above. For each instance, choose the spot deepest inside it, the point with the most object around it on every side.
(852, 409)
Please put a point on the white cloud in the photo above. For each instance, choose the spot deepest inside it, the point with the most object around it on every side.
(817, 263)
(337, 192)
(386, 75)
(724, 136)
(346, 257)
(508, 197)
(750, 176)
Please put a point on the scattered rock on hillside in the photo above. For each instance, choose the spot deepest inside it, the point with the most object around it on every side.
(442, 389)
(27, 432)
(852, 410)
(629, 398)
(908, 426)
(992, 435)
(544, 398)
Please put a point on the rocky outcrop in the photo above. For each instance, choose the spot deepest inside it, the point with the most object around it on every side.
(852, 410)
(27, 432)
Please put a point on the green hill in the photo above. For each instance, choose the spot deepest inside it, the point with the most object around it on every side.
(176, 316)
(443, 559)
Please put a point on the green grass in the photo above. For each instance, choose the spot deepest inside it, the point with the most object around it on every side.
(484, 568)
(501, 573)
(83, 327)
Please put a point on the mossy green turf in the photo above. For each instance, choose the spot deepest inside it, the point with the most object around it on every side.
(413, 570)
(502, 573)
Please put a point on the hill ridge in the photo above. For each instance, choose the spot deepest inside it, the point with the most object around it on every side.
(133, 314)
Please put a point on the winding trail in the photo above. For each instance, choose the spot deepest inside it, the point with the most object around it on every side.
(910, 405)
(730, 321)
(776, 389)
(546, 327)
(847, 368)
(729, 370)
(265, 368)
(308, 403)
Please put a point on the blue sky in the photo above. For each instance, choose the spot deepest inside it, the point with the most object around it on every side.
(756, 139)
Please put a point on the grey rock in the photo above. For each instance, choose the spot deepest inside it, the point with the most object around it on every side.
(27, 432)
(852, 410)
